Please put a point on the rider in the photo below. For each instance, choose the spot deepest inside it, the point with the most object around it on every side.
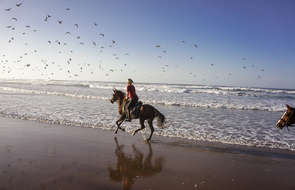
(133, 98)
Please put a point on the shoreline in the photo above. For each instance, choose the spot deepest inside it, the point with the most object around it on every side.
(43, 156)
(182, 142)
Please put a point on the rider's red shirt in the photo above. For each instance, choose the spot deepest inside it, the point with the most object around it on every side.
(131, 91)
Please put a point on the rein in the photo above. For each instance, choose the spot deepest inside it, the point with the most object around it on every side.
(121, 103)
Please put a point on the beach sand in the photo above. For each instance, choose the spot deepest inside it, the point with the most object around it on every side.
(43, 156)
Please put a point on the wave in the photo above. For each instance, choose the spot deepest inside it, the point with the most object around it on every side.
(40, 92)
(55, 121)
(238, 91)
(71, 84)
(271, 108)
(164, 88)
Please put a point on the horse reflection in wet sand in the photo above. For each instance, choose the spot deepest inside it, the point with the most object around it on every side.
(131, 167)
(287, 119)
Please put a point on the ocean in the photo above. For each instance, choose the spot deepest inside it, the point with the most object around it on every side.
(221, 114)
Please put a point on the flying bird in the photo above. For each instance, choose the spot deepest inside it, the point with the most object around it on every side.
(76, 25)
(157, 46)
(59, 21)
(47, 17)
(18, 4)
(68, 33)
(101, 34)
(195, 45)
(28, 26)
(15, 19)
(113, 41)
(58, 42)
(68, 9)
(8, 9)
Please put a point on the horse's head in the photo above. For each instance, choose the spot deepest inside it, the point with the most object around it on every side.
(117, 95)
(288, 118)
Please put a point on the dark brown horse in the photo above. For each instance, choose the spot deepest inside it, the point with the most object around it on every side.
(147, 112)
(287, 119)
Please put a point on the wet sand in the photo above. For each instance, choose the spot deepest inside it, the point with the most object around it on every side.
(43, 156)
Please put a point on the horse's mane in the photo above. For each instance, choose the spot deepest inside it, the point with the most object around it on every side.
(121, 94)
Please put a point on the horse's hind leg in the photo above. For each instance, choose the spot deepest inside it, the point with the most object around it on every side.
(150, 121)
(141, 126)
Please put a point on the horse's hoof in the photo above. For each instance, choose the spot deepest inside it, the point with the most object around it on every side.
(133, 133)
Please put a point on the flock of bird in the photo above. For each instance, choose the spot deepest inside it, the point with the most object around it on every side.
(44, 68)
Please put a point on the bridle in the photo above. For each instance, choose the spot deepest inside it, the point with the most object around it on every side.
(286, 121)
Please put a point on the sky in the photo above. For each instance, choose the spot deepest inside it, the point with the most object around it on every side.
(211, 42)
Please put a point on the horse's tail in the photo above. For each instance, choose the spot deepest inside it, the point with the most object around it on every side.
(160, 118)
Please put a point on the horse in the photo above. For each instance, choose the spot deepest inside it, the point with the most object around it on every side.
(287, 119)
(146, 112)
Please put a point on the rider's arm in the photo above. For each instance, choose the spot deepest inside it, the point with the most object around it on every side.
(127, 92)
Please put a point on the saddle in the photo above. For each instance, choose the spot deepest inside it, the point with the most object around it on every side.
(135, 109)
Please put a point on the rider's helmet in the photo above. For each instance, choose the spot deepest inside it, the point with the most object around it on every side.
(130, 81)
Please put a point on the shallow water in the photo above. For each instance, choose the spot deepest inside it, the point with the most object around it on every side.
(231, 115)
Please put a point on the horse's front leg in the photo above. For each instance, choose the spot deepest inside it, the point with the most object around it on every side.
(119, 122)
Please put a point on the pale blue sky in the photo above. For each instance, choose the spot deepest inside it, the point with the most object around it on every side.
(242, 43)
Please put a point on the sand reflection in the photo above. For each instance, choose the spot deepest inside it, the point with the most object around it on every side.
(130, 167)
